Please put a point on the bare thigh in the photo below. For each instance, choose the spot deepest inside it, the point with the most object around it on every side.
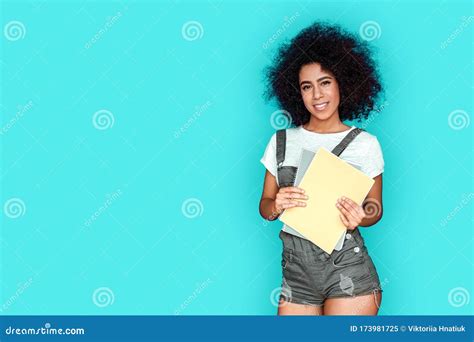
(359, 305)
(287, 308)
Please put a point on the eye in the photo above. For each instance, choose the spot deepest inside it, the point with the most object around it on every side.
(306, 87)
(325, 83)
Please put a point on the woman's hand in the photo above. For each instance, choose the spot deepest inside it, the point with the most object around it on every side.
(351, 214)
(289, 197)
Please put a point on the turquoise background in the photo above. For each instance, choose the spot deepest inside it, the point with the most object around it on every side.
(189, 122)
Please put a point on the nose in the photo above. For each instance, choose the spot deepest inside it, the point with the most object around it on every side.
(316, 93)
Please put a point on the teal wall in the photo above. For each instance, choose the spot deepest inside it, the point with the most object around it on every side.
(131, 140)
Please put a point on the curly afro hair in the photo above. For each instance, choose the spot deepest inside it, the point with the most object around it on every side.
(345, 55)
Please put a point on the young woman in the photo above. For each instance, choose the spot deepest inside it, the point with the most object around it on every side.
(323, 77)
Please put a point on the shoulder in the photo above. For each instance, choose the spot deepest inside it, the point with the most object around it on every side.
(293, 130)
(368, 142)
(271, 141)
(293, 133)
(290, 133)
(366, 138)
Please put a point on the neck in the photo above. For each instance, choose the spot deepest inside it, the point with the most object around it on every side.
(332, 125)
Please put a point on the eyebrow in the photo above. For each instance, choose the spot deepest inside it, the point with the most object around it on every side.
(319, 79)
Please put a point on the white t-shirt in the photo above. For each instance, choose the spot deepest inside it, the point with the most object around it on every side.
(364, 152)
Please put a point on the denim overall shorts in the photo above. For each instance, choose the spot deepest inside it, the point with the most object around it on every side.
(310, 275)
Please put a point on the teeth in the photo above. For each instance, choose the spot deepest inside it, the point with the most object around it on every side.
(321, 106)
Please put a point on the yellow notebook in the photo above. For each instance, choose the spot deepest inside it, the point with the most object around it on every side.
(327, 178)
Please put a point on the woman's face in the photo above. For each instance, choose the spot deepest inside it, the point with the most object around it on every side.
(319, 90)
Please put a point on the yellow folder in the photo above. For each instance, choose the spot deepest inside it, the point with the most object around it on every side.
(327, 178)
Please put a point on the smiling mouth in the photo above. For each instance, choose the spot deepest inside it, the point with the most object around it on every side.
(320, 106)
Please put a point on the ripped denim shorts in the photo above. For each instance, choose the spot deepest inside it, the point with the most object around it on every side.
(310, 275)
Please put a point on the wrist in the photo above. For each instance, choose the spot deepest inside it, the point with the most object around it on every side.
(275, 212)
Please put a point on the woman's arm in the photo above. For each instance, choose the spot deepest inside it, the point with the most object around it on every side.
(372, 205)
(274, 200)
(365, 215)
(267, 201)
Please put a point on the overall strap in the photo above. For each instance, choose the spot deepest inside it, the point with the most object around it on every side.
(346, 141)
(280, 146)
